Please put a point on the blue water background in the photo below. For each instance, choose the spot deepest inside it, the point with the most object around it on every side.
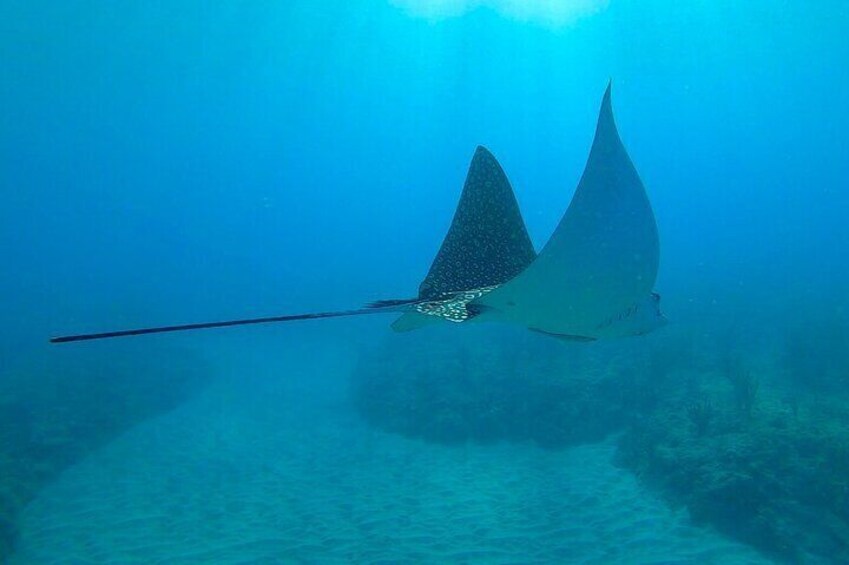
(165, 162)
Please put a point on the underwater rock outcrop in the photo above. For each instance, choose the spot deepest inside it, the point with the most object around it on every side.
(761, 464)
(489, 384)
(60, 407)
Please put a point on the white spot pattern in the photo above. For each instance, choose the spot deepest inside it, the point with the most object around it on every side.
(454, 307)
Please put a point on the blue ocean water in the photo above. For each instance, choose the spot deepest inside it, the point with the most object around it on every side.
(173, 162)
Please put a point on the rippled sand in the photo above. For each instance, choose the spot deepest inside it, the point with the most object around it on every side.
(264, 470)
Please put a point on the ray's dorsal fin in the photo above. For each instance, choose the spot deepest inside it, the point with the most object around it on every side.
(487, 243)
(603, 256)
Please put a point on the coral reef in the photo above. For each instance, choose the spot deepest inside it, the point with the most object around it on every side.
(776, 477)
(701, 413)
(61, 406)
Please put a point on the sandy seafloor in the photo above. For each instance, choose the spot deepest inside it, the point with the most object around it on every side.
(271, 465)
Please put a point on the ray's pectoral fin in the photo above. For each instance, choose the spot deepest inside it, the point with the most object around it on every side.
(603, 256)
(486, 245)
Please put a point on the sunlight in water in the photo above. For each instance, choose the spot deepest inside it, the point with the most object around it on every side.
(547, 12)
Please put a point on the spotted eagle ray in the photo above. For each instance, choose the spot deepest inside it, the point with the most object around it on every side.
(593, 279)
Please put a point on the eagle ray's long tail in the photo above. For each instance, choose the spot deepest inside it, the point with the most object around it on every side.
(380, 307)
